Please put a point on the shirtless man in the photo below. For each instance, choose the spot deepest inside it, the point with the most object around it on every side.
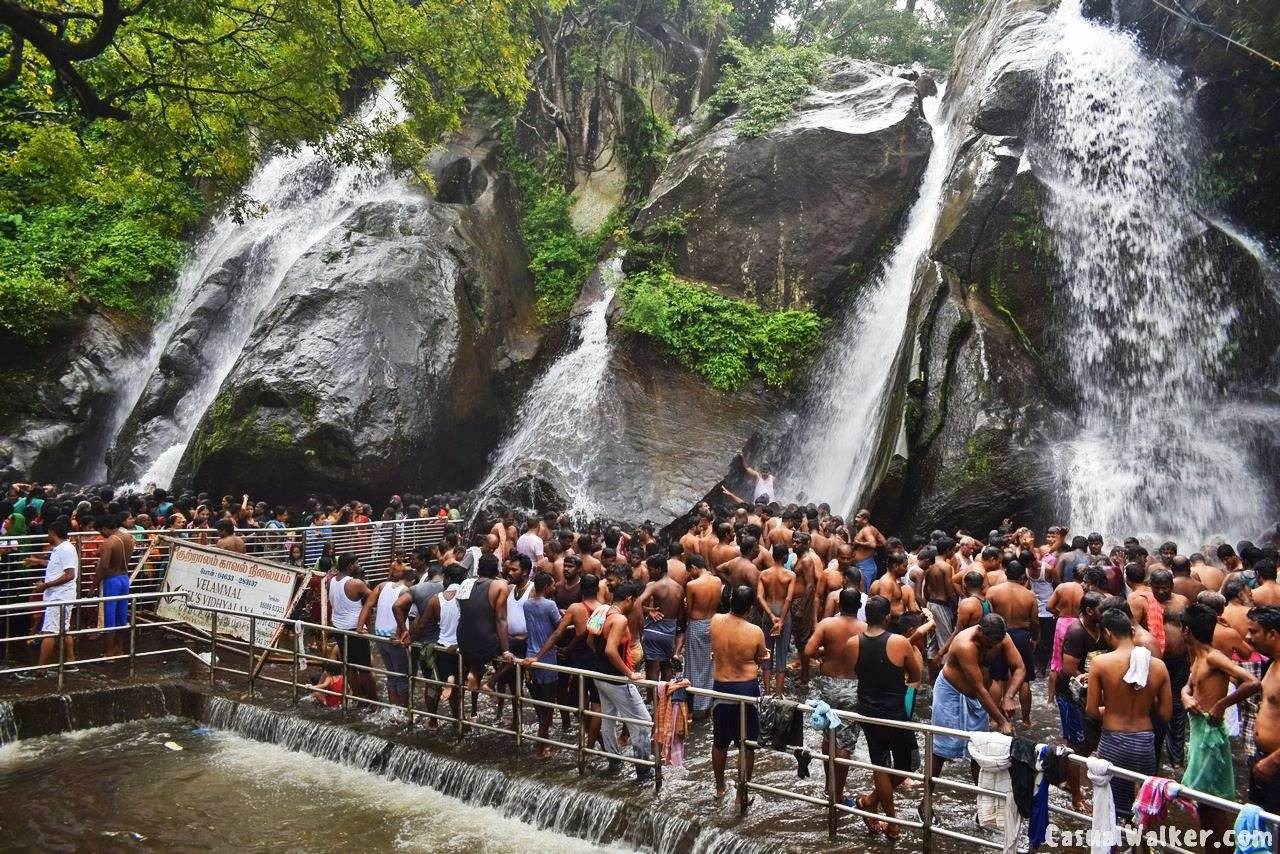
(836, 681)
(662, 605)
(589, 554)
(1264, 763)
(831, 578)
(776, 588)
(677, 569)
(1208, 575)
(702, 595)
(737, 650)
(807, 567)
(111, 578)
(940, 595)
(1162, 607)
(974, 606)
(725, 548)
(741, 571)
(228, 539)
(901, 597)
(782, 534)
(1064, 604)
(691, 542)
(1185, 584)
(499, 532)
(1014, 601)
(960, 696)
(1206, 697)
(1267, 593)
(1127, 705)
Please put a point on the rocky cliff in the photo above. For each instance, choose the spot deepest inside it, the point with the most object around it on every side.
(387, 356)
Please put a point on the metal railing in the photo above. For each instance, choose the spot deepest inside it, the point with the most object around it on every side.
(64, 608)
(296, 658)
(829, 757)
(373, 542)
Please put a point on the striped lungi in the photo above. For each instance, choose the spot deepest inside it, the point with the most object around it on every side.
(697, 660)
(1249, 708)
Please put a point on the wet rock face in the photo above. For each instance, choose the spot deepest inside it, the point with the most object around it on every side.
(789, 217)
(385, 346)
(51, 434)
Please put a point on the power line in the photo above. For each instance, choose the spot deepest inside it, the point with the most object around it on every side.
(1182, 14)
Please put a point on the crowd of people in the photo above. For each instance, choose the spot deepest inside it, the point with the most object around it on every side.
(1153, 660)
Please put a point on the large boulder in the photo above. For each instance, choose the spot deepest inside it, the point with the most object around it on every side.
(790, 218)
(50, 424)
(382, 360)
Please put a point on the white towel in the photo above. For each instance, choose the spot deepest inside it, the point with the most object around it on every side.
(991, 751)
(464, 589)
(1104, 836)
(1139, 666)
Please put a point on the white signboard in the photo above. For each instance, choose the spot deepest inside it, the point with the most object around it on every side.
(220, 579)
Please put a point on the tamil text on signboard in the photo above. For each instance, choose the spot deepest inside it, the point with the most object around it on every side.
(214, 578)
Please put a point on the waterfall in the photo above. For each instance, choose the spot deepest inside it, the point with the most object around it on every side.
(564, 419)
(8, 724)
(1142, 316)
(301, 196)
(832, 450)
(547, 805)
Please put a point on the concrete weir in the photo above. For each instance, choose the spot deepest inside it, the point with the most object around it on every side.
(467, 770)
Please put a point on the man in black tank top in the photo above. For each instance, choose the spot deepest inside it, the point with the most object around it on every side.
(482, 622)
(885, 664)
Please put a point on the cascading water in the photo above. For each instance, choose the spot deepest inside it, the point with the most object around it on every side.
(597, 818)
(1142, 316)
(303, 196)
(564, 420)
(833, 446)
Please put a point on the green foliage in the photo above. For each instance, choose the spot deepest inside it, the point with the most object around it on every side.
(726, 341)
(764, 85)
(122, 127)
(643, 147)
(560, 259)
(880, 30)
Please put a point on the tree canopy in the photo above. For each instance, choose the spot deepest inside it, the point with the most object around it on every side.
(121, 121)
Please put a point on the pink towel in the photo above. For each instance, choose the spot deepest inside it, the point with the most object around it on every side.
(1060, 630)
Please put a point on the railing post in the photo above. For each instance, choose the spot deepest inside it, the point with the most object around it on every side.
(655, 752)
(132, 605)
(582, 725)
(408, 694)
(833, 816)
(926, 806)
(345, 673)
(253, 636)
(742, 757)
(516, 695)
(462, 695)
(213, 645)
(298, 637)
(62, 643)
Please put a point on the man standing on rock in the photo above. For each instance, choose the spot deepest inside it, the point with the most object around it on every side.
(701, 600)
(738, 649)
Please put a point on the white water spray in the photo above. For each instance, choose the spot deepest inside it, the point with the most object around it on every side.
(1142, 316)
(833, 447)
(303, 197)
(565, 420)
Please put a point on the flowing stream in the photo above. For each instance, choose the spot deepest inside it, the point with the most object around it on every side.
(1144, 317)
(564, 421)
(302, 196)
(833, 447)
